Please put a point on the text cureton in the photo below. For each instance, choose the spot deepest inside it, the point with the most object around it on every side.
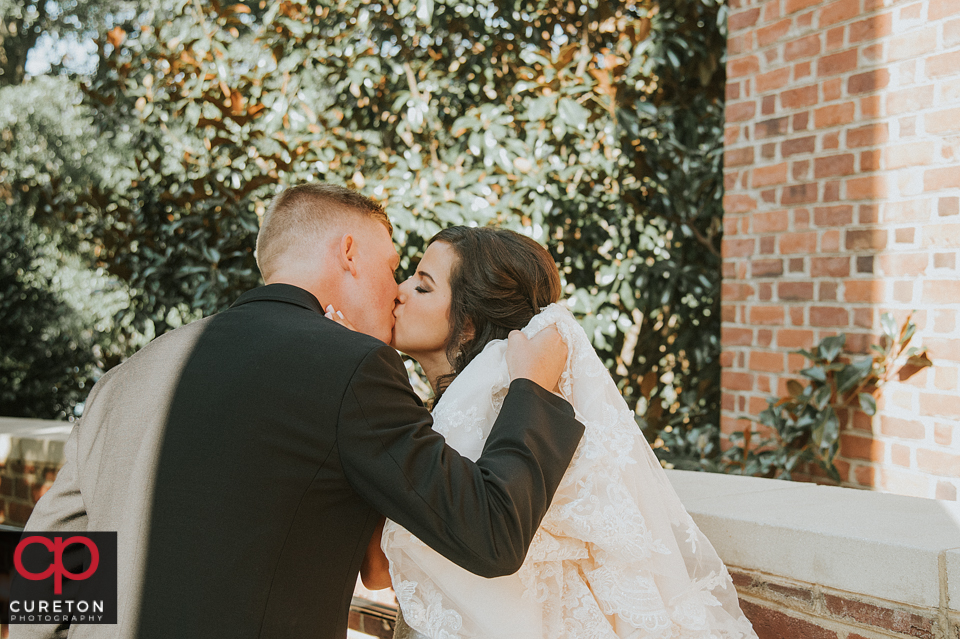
(56, 606)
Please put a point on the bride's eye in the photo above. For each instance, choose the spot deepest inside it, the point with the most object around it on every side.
(420, 289)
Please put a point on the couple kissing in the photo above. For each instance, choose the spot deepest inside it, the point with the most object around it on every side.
(254, 462)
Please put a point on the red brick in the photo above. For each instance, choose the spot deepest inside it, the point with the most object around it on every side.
(737, 247)
(834, 115)
(835, 38)
(772, 80)
(904, 264)
(800, 194)
(868, 82)
(871, 28)
(833, 165)
(766, 315)
(738, 157)
(869, 135)
(903, 428)
(912, 44)
(795, 291)
(737, 291)
(830, 241)
(805, 47)
(944, 178)
(769, 221)
(944, 121)
(766, 268)
(866, 239)
(941, 65)
(798, 145)
(943, 8)
(951, 33)
(800, 170)
(829, 316)
(742, 19)
(866, 188)
(793, 243)
(770, 34)
(833, 215)
(832, 89)
(800, 97)
(863, 290)
(836, 63)
(768, 105)
(774, 127)
(830, 267)
(870, 160)
(909, 211)
(856, 447)
(770, 623)
(766, 362)
(938, 463)
(870, 106)
(838, 12)
(798, 5)
(738, 67)
(801, 121)
(738, 203)
(767, 175)
(910, 100)
(868, 214)
(793, 338)
(730, 336)
(933, 404)
(941, 292)
(913, 154)
(830, 141)
(741, 111)
(943, 434)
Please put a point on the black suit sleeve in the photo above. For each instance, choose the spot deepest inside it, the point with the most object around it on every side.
(481, 516)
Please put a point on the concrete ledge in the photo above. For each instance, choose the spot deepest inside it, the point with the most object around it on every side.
(889, 547)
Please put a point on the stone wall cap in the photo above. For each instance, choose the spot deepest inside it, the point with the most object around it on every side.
(882, 545)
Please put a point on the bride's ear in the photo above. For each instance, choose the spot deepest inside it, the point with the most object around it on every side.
(468, 331)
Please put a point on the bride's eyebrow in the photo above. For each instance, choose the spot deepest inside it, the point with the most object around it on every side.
(426, 275)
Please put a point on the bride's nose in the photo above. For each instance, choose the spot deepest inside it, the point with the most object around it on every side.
(403, 290)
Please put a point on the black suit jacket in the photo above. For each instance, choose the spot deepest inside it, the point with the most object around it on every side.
(244, 460)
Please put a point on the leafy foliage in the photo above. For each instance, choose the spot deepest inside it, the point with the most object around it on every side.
(804, 425)
(593, 126)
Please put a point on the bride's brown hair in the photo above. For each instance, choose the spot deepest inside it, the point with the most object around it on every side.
(500, 280)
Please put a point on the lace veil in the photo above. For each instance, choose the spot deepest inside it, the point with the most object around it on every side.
(616, 555)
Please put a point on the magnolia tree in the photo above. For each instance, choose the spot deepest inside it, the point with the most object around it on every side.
(593, 127)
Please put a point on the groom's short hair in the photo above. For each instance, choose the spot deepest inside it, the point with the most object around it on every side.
(300, 214)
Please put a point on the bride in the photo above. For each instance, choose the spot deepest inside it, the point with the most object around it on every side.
(616, 555)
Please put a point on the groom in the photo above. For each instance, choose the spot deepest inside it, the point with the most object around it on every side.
(245, 459)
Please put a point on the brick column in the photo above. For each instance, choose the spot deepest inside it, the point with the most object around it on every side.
(843, 202)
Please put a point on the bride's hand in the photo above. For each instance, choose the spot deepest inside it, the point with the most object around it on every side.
(541, 359)
(337, 316)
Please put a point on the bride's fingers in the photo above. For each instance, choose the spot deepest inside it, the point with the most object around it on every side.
(338, 317)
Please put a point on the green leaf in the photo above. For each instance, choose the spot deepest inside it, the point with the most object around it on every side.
(830, 347)
(889, 325)
(868, 404)
(815, 373)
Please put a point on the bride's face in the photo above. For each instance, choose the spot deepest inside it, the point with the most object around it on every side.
(423, 308)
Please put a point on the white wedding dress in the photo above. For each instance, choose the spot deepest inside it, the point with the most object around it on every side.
(616, 555)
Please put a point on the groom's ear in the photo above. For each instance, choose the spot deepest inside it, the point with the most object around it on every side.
(347, 253)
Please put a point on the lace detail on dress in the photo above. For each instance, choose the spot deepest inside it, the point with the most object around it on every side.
(616, 554)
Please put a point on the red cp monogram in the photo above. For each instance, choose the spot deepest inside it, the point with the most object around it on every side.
(56, 568)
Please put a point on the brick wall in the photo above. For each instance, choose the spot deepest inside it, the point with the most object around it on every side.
(784, 609)
(31, 454)
(843, 202)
